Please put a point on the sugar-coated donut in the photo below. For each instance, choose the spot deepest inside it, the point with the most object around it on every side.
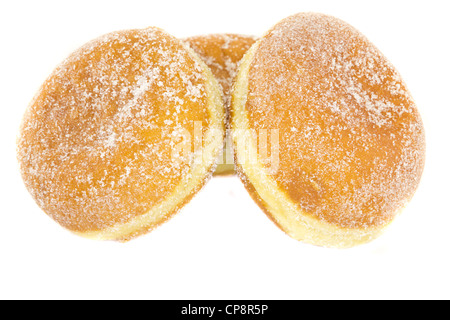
(351, 145)
(222, 54)
(107, 148)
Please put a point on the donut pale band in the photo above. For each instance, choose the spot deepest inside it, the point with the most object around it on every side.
(351, 141)
(96, 143)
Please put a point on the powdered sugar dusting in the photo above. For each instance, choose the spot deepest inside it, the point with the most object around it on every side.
(94, 144)
(351, 139)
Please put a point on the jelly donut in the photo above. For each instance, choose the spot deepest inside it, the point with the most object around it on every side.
(347, 148)
(222, 54)
(122, 134)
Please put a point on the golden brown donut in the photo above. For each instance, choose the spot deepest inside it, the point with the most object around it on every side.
(222, 54)
(107, 148)
(351, 141)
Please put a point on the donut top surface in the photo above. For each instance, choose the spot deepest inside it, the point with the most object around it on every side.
(351, 139)
(96, 143)
(222, 53)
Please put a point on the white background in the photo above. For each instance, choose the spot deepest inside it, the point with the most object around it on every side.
(221, 246)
